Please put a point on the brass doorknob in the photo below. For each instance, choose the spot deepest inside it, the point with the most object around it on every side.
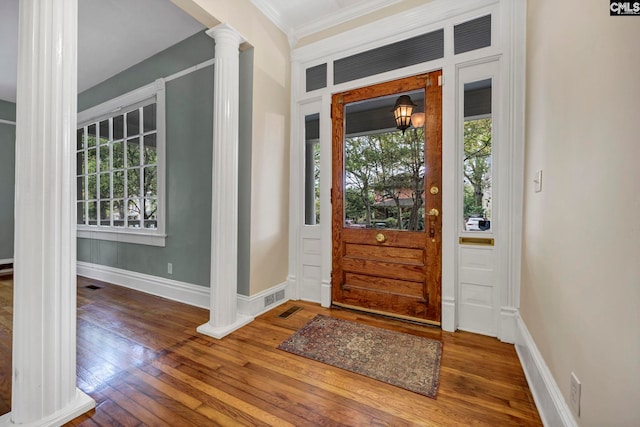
(434, 212)
(381, 238)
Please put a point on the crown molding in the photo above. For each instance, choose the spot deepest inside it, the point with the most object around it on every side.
(417, 20)
(295, 33)
(274, 16)
(342, 16)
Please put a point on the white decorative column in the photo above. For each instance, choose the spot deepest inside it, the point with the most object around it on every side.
(44, 319)
(223, 317)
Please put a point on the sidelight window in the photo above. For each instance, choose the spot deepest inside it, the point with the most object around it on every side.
(478, 150)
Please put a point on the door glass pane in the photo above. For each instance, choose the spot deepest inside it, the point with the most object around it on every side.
(477, 135)
(312, 169)
(384, 166)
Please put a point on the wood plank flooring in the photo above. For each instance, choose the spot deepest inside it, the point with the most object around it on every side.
(140, 358)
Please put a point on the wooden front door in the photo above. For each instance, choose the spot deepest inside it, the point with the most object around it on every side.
(386, 200)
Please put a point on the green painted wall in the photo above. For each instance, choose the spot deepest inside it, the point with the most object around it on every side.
(189, 52)
(7, 178)
(189, 114)
(7, 110)
(244, 175)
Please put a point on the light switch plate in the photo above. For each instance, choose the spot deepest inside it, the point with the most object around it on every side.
(538, 181)
(574, 393)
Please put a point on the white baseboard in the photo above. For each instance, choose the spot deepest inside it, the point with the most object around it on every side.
(186, 293)
(159, 286)
(255, 305)
(508, 324)
(552, 407)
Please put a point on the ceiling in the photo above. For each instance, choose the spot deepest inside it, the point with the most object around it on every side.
(113, 35)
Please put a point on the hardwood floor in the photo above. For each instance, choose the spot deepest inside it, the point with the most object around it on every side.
(140, 358)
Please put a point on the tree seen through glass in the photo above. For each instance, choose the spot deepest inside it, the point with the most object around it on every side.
(121, 175)
(384, 180)
(477, 174)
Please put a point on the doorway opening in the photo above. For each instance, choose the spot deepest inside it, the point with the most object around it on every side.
(387, 199)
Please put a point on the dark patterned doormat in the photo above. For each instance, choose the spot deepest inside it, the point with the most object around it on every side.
(403, 360)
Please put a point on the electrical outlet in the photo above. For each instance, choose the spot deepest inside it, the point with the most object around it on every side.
(574, 394)
(170, 268)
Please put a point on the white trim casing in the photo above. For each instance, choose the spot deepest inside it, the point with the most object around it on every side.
(118, 103)
(508, 50)
(551, 405)
(133, 236)
(152, 237)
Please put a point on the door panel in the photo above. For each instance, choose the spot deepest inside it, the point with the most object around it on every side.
(386, 248)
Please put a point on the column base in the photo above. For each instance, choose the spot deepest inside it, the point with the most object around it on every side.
(78, 406)
(219, 332)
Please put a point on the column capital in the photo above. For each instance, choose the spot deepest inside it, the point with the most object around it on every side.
(227, 33)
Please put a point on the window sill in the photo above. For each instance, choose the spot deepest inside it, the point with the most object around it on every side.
(126, 236)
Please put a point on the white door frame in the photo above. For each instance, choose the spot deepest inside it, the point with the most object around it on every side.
(508, 48)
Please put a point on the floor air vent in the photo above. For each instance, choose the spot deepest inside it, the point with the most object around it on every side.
(290, 312)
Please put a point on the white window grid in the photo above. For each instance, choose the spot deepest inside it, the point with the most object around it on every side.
(124, 228)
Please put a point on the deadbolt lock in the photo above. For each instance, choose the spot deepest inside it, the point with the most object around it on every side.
(434, 190)
(381, 238)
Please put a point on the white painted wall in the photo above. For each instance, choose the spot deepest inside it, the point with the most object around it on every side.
(580, 294)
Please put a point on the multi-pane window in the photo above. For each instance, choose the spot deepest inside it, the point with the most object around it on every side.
(118, 169)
